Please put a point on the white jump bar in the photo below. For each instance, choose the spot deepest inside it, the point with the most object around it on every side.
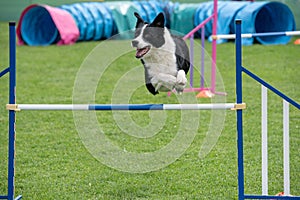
(214, 106)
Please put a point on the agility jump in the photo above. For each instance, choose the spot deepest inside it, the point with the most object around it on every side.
(13, 107)
(238, 106)
(286, 101)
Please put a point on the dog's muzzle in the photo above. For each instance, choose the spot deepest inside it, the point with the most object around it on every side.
(140, 52)
(134, 43)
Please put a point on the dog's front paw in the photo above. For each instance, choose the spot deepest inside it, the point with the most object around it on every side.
(181, 79)
(180, 82)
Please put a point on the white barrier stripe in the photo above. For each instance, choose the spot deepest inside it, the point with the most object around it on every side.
(264, 139)
(286, 148)
(247, 35)
(292, 33)
(231, 36)
(52, 106)
(216, 106)
(250, 35)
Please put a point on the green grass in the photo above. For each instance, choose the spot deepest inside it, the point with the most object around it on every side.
(53, 163)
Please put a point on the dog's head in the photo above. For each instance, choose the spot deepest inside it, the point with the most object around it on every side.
(148, 36)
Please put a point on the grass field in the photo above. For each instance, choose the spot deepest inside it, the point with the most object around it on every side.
(52, 161)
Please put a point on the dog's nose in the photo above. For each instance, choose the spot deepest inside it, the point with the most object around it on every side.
(134, 43)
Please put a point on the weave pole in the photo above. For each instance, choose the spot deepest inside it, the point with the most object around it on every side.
(204, 92)
(264, 140)
(286, 102)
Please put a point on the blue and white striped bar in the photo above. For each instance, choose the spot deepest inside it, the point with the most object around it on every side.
(214, 106)
(250, 35)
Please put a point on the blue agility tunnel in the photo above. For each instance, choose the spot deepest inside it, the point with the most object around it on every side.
(46, 33)
(123, 14)
(258, 17)
(94, 20)
(182, 17)
(44, 25)
(262, 17)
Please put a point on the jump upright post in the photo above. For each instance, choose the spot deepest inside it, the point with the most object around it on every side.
(286, 101)
(12, 113)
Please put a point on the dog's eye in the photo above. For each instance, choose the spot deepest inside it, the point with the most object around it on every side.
(147, 35)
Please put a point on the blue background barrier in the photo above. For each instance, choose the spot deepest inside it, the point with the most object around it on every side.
(261, 17)
(258, 17)
(94, 20)
(182, 17)
(101, 20)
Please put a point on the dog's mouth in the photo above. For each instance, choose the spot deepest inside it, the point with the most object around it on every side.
(140, 52)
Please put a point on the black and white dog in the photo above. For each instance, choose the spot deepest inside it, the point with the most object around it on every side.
(165, 56)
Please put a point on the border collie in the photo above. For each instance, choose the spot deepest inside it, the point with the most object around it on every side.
(165, 56)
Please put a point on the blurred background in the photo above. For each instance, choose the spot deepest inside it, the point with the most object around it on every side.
(11, 9)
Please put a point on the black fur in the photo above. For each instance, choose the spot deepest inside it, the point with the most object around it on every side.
(151, 89)
(182, 54)
(156, 38)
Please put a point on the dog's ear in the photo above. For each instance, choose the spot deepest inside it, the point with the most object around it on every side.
(159, 21)
(140, 22)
